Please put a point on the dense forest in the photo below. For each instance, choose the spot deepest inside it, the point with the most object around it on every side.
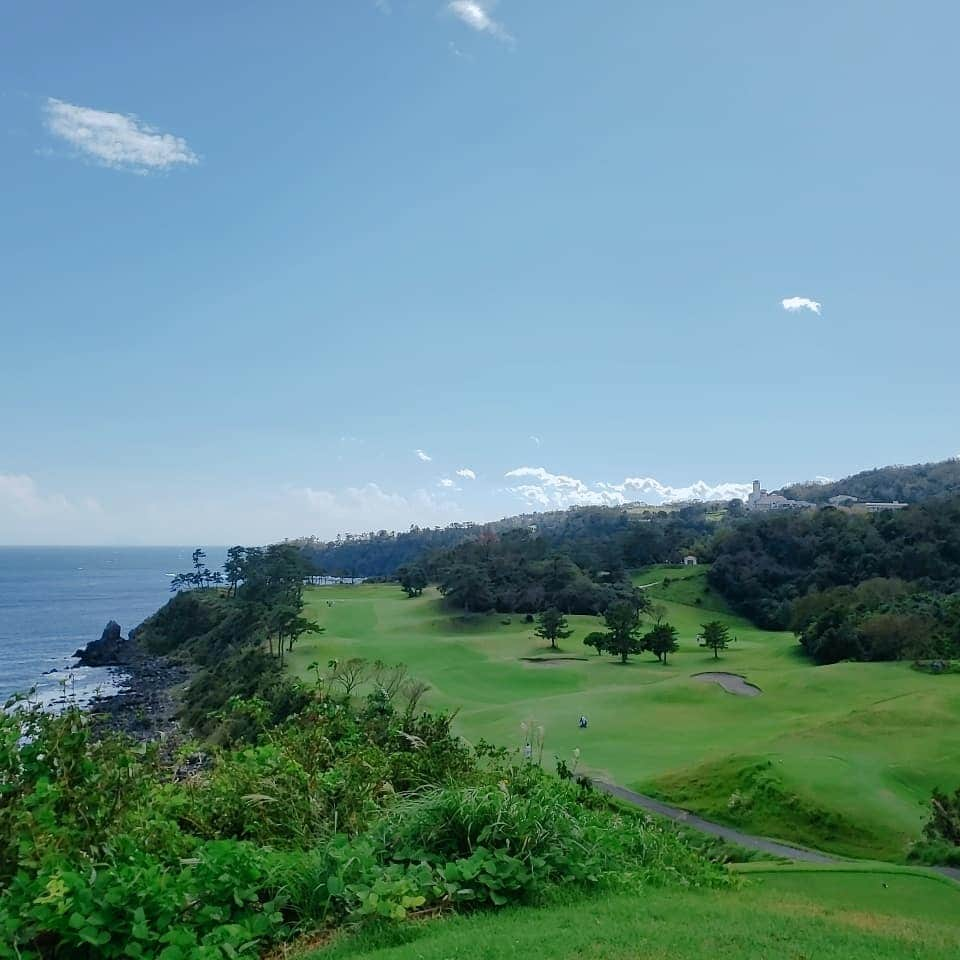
(908, 484)
(578, 566)
(382, 553)
(852, 586)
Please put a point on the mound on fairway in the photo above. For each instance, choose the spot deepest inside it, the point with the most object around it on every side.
(753, 794)
(865, 743)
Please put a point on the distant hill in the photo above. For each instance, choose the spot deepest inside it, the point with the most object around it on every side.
(381, 553)
(595, 537)
(908, 484)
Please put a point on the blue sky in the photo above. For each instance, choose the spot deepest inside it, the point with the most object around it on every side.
(254, 256)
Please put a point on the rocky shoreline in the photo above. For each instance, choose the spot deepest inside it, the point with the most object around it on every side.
(144, 707)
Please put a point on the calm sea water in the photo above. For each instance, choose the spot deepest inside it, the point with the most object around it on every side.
(56, 599)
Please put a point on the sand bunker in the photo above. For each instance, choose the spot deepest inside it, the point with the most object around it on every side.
(550, 661)
(731, 682)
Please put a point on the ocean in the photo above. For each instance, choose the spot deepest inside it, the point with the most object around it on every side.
(56, 599)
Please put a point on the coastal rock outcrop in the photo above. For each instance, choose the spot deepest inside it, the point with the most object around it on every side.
(105, 652)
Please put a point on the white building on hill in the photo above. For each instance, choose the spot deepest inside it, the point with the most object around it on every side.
(761, 501)
(865, 506)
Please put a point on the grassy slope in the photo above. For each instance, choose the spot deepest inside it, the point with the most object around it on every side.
(864, 742)
(782, 913)
(688, 585)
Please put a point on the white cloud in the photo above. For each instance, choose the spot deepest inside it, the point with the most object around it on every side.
(558, 491)
(116, 140)
(423, 457)
(447, 484)
(793, 304)
(20, 495)
(369, 507)
(476, 15)
(536, 440)
(31, 515)
(466, 473)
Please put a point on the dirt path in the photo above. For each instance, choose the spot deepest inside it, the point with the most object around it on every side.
(746, 840)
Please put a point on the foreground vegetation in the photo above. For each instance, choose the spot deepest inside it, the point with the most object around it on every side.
(350, 810)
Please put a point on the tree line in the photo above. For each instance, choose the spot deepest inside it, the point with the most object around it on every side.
(851, 586)
(268, 584)
(595, 538)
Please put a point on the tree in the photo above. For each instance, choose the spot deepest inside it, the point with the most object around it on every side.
(233, 568)
(622, 636)
(297, 626)
(715, 636)
(181, 581)
(662, 640)
(552, 626)
(467, 586)
(596, 639)
(349, 674)
(412, 580)
(199, 567)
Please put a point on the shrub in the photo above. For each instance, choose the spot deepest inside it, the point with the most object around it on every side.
(349, 810)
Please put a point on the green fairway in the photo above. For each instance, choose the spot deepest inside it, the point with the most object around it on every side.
(784, 913)
(841, 757)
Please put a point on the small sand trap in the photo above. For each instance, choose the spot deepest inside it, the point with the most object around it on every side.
(731, 682)
(550, 661)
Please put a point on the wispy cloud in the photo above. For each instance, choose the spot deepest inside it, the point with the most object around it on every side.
(541, 488)
(448, 484)
(384, 6)
(466, 473)
(371, 507)
(536, 440)
(21, 496)
(476, 15)
(423, 457)
(116, 140)
(793, 304)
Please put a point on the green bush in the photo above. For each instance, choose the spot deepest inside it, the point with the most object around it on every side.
(343, 813)
(211, 906)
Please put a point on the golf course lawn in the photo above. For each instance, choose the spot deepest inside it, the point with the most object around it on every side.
(841, 757)
(781, 912)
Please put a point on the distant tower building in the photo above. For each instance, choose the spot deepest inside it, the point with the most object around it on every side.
(759, 499)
